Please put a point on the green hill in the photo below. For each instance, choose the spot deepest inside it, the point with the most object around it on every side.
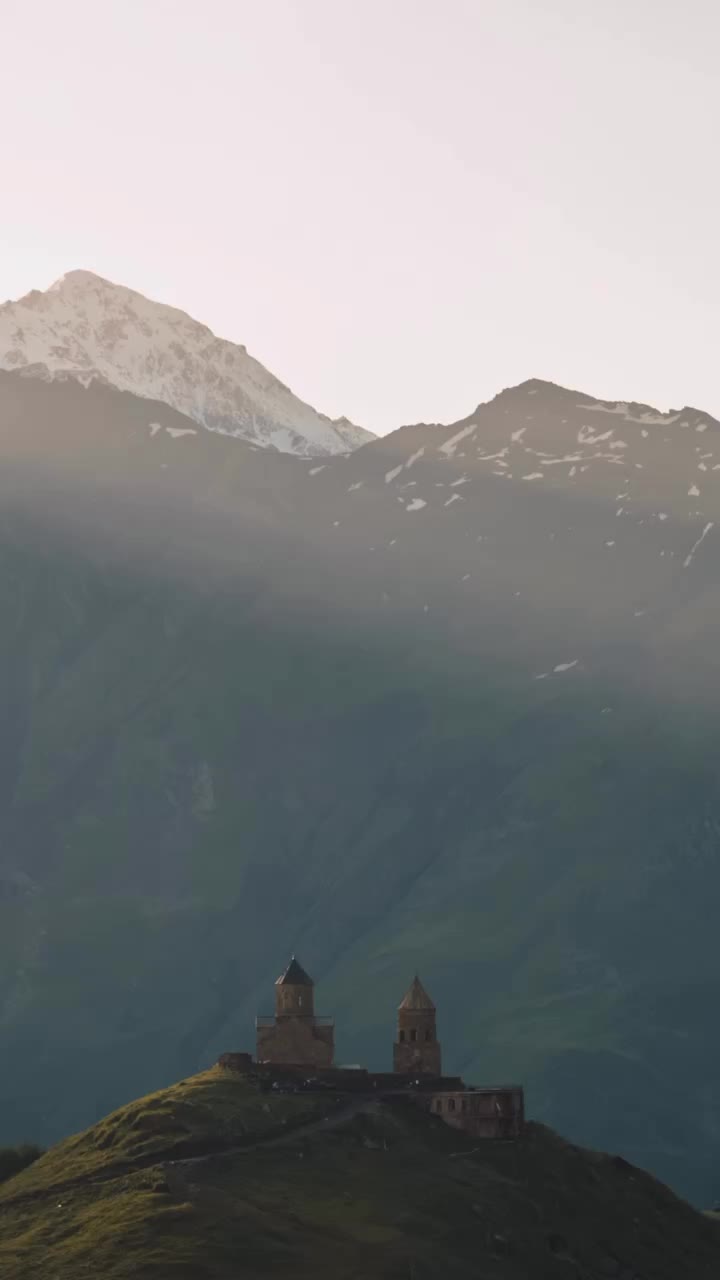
(214, 1179)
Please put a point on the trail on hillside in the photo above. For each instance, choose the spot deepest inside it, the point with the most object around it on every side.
(211, 1148)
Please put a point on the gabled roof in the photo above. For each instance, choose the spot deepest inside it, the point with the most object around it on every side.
(417, 997)
(294, 976)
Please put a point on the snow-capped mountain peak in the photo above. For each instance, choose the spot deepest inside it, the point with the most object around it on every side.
(87, 328)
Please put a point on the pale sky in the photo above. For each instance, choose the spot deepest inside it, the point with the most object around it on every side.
(399, 206)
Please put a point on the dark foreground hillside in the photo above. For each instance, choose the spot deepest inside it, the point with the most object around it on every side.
(215, 1179)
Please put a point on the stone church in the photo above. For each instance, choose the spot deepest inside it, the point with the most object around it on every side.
(295, 1048)
(296, 1035)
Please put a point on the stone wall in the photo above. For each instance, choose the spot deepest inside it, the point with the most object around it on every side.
(296, 1040)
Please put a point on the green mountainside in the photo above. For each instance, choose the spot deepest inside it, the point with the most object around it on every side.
(212, 1179)
(221, 743)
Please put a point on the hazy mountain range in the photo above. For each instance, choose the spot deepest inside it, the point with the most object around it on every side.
(445, 702)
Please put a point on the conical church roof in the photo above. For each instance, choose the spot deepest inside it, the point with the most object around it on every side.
(294, 976)
(417, 997)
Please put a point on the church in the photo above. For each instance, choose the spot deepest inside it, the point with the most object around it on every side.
(295, 1048)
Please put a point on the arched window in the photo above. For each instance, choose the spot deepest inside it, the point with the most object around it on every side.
(402, 1036)
(451, 1104)
(438, 1104)
(428, 1035)
(413, 1034)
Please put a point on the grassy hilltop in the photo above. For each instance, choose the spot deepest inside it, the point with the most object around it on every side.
(213, 1179)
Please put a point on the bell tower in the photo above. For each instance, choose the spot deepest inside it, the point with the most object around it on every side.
(294, 993)
(294, 1034)
(416, 1050)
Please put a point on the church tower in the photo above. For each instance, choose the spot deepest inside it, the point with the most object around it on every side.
(416, 1050)
(294, 993)
(294, 1035)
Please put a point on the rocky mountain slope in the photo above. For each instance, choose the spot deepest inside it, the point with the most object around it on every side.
(86, 328)
(212, 1178)
(405, 708)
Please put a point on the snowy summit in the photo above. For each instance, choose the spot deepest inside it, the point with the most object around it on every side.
(87, 328)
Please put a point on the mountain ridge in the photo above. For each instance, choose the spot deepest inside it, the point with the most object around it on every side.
(86, 327)
(247, 697)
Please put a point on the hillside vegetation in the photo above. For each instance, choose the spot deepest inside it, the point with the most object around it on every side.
(213, 1179)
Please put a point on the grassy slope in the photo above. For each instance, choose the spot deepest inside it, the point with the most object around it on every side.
(390, 1193)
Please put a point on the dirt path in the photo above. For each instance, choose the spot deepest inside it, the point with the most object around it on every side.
(323, 1125)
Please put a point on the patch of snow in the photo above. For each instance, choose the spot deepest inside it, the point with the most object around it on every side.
(449, 447)
(534, 475)
(693, 491)
(586, 435)
(518, 435)
(554, 462)
(177, 432)
(566, 666)
(492, 457)
(462, 480)
(154, 428)
(357, 485)
(416, 504)
(314, 471)
(391, 475)
(622, 409)
(710, 525)
(454, 497)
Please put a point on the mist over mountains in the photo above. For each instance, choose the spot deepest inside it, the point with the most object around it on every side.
(445, 701)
